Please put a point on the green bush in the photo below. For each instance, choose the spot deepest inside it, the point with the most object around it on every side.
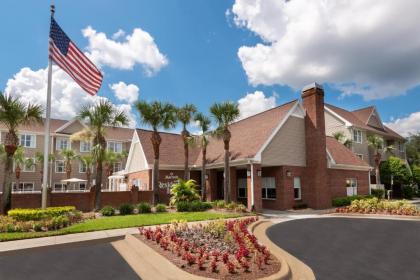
(126, 209)
(408, 192)
(144, 207)
(219, 204)
(346, 201)
(240, 207)
(184, 191)
(160, 208)
(39, 214)
(192, 206)
(108, 211)
(379, 193)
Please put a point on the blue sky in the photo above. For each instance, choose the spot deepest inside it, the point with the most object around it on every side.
(199, 41)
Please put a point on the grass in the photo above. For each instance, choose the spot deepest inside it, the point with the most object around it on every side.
(121, 222)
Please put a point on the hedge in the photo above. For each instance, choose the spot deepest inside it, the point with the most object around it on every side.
(39, 214)
(346, 201)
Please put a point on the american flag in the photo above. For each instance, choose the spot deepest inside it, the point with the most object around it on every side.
(68, 57)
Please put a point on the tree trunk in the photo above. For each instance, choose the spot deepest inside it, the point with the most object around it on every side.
(156, 140)
(185, 135)
(226, 181)
(98, 188)
(6, 198)
(203, 176)
(377, 160)
(88, 177)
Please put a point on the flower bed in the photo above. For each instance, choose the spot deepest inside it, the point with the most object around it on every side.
(377, 206)
(220, 249)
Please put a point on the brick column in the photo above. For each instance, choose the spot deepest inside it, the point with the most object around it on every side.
(254, 185)
(211, 184)
(134, 195)
(233, 184)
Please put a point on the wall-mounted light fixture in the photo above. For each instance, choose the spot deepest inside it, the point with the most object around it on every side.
(248, 173)
(289, 173)
(259, 173)
(206, 176)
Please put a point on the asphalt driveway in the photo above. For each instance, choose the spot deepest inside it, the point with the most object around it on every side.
(347, 248)
(81, 261)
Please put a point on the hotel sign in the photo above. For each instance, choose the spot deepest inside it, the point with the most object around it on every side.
(168, 181)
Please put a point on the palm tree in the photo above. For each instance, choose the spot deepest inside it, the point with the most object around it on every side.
(69, 155)
(110, 159)
(98, 117)
(14, 113)
(377, 143)
(340, 137)
(87, 161)
(20, 161)
(203, 140)
(39, 159)
(225, 114)
(185, 115)
(157, 115)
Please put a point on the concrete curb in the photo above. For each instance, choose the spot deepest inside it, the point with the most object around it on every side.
(291, 267)
(372, 216)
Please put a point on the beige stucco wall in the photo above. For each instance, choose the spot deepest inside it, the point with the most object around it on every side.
(333, 125)
(288, 146)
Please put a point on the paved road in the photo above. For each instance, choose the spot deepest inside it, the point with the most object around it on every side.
(81, 261)
(347, 248)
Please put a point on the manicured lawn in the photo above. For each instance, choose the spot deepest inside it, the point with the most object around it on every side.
(122, 222)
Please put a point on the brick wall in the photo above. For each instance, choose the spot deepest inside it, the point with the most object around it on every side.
(337, 181)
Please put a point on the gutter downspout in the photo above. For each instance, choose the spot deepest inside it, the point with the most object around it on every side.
(252, 186)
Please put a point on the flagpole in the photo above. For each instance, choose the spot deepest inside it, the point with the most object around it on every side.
(47, 130)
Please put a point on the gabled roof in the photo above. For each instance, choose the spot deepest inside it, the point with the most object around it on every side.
(341, 155)
(360, 118)
(248, 135)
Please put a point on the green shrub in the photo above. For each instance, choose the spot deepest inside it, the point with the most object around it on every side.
(374, 205)
(408, 192)
(231, 206)
(108, 211)
(219, 204)
(39, 214)
(144, 207)
(184, 191)
(192, 206)
(240, 207)
(126, 209)
(346, 201)
(160, 208)
(379, 193)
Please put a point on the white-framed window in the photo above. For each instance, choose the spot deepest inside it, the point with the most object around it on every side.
(401, 147)
(360, 156)
(60, 166)
(115, 147)
(23, 187)
(357, 136)
(29, 167)
(28, 140)
(117, 166)
(297, 189)
(268, 188)
(59, 187)
(62, 143)
(82, 167)
(351, 184)
(242, 187)
(84, 146)
(82, 186)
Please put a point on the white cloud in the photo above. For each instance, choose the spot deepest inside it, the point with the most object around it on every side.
(120, 33)
(136, 48)
(407, 125)
(357, 46)
(254, 103)
(66, 99)
(124, 92)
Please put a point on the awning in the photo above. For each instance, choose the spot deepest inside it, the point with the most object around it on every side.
(73, 180)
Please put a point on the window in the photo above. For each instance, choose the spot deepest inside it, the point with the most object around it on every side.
(116, 147)
(82, 186)
(242, 188)
(29, 166)
(117, 167)
(59, 187)
(28, 140)
(62, 144)
(351, 184)
(297, 188)
(401, 147)
(23, 187)
(360, 156)
(268, 188)
(59, 166)
(82, 167)
(84, 146)
(357, 136)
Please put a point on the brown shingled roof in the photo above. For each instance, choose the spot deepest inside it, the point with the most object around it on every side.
(359, 119)
(248, 135)
(341, 154)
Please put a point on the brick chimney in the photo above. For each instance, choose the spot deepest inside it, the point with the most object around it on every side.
(319, 194)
